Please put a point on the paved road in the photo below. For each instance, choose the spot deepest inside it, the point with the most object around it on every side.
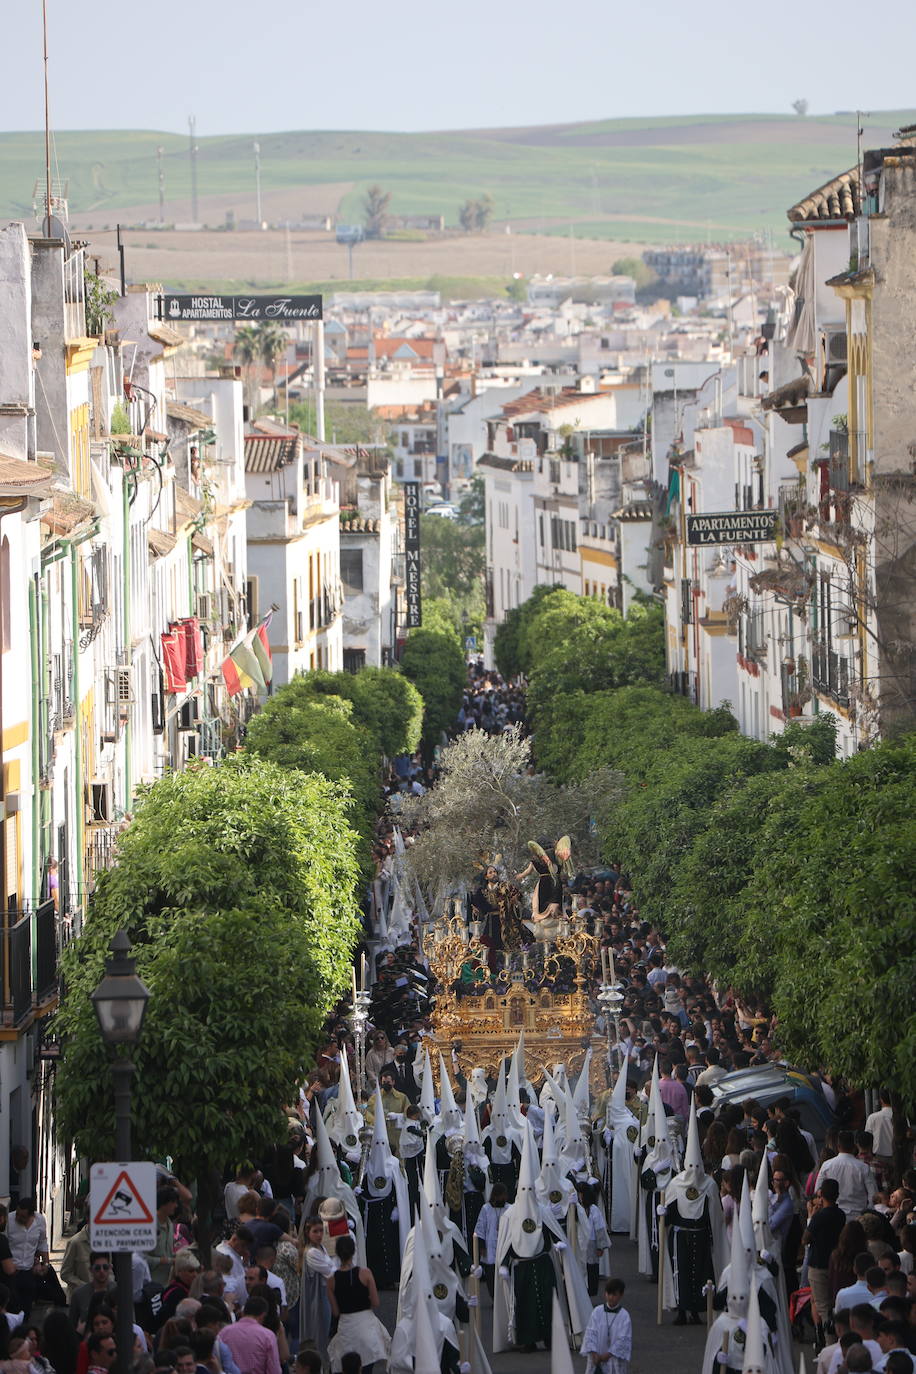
(674, 1350)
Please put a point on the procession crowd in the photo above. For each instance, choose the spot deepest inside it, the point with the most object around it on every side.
(459, 1188)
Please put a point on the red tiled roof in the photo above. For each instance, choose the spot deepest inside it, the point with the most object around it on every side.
(386, 347)
(538, 400)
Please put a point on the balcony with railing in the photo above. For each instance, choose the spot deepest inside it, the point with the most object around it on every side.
(794, 509)
(24, 993)
(17, 967)
(100, 849)
(46, 953)
(830, 674)
(74, 296)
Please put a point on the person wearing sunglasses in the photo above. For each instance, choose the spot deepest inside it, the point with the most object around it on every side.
(100, 1281)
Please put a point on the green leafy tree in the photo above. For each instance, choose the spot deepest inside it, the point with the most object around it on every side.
(472, 507)
(830, 906)
(483, 211)
(299, 729)
(511, 646)
(640, 271)
(375, 212)
(630, 729)
(345, 423)
(246, 350)
(467, 216)
(602, 651)
(516, 290)
(443, 617)
(236, 886)
(383, 701)
(273, 341)
(653, 829)
(435, 664)
(453, 566)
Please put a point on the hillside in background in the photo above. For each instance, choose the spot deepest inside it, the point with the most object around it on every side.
(657, 180)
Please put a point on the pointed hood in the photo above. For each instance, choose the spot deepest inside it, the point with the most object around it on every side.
(658, 1161)
(560, 1357)
(431, 1184)
(327, 1160)
(553, 1189)
(474, 1152)
(647, 1132)
(754, 1357)
(660, 1122)
(477, 1087)
(692, 1188)
(381, 1163)
(427, 1092)
(582, 1096)
(501, 1132)
(574, 1154)
(745, 1223)
(739, 1275)
(620, 1116)
(760, 1208)
(513, 1101)
(524, 1219)
(450, 1113)
(693, 1160)
(426, 1348)
(346, 1122)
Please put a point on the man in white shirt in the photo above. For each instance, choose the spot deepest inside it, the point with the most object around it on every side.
(856, 1180)
(880, 1125)
(714, 1071)
(27, 1233)
(859, 1291)
(892, 1336)
(236, 1250)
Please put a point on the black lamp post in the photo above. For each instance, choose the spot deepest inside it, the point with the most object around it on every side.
(120, 1005)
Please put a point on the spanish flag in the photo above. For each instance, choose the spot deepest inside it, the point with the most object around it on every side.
(249, 664)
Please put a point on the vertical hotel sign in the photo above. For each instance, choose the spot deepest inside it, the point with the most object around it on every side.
(413, 607)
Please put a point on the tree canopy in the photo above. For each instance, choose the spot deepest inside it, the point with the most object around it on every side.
(383, 701)
(316, 732)
(453, 565)
(488, 798)
(235, 884)
(435, 664)
(770, 865)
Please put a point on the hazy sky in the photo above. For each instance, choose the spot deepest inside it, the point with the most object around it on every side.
(243, 66)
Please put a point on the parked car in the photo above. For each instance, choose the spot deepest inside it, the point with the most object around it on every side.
(767, 1083)
(443, 508)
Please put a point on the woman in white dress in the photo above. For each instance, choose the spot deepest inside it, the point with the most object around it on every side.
(354, 1301)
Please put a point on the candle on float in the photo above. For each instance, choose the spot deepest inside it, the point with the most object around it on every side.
(353, 972)
(362, 972)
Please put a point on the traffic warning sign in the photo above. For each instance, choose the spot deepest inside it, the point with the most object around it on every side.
(122, 1206)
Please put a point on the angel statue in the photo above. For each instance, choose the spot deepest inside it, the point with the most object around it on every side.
(547, 894)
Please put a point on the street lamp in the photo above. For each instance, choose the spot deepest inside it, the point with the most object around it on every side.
(120, 1002)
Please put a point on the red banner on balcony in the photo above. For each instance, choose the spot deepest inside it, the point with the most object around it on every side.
(174, 660)
(194, 645)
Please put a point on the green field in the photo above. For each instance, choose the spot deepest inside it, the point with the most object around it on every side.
(687, 178)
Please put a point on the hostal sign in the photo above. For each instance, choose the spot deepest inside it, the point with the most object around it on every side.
(285, 309)
(732, 527)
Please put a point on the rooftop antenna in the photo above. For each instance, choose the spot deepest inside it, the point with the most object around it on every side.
(861, 115)
(44, 26)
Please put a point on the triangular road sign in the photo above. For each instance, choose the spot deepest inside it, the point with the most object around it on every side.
(123, 1205)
